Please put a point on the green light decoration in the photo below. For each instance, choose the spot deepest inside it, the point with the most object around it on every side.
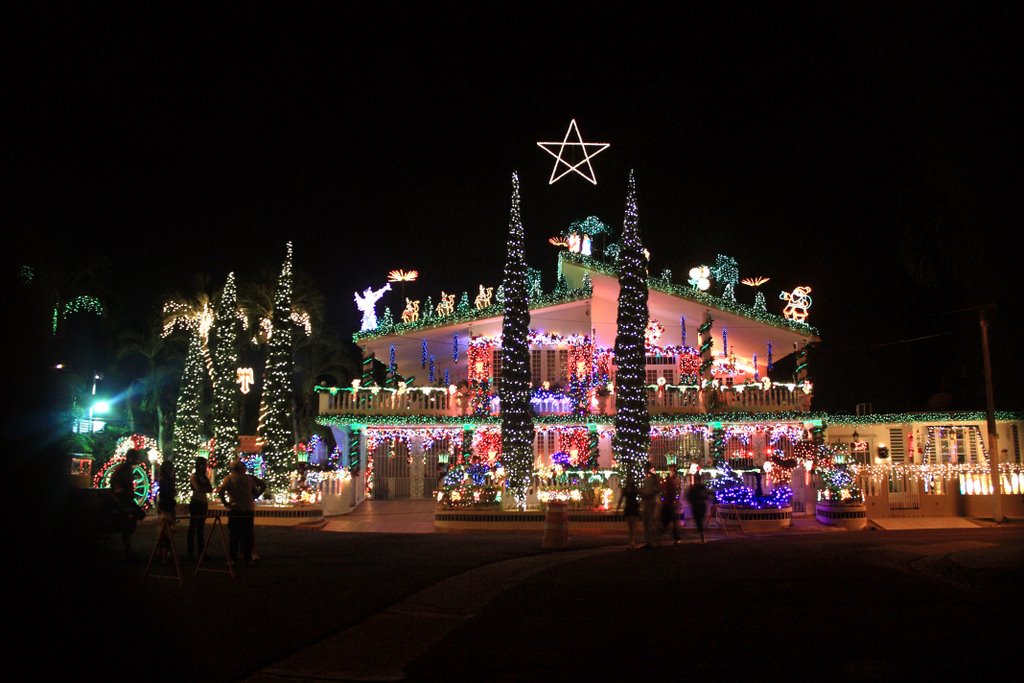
(140, 477)
(516, 414)
(591, 225)
(189, 425)
(800, 370)
(493, 311)
(354, 454)
(898, 418)
(716, 444)
(632, 421)
(611, 254)
(226, 333)
(464, 307)
(726, 273)
(533, 283)
(275, 423)
(387, 319)
(707, 344)
(691, 294)
(83, 303)
(759, 302)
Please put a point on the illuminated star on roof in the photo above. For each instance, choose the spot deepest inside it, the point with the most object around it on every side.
(570, 167)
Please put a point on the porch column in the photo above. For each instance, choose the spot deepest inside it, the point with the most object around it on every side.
(416, 467)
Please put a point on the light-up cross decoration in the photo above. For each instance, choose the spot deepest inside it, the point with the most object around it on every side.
(571, 167)
(245, 379)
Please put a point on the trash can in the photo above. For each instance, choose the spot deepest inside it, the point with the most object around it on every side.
(556, 526)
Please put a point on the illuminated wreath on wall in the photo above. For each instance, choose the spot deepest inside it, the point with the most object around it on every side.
(145, 491)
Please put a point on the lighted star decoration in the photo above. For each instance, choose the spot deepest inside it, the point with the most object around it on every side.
(589, 149)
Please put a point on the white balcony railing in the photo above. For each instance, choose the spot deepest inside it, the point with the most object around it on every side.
(436, 402)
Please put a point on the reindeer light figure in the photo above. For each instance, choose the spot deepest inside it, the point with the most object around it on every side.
(411, 313)
(799, 303)
(483, 299)
(447, 305)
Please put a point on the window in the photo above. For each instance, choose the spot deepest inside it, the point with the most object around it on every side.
(535, 376)
(496, 366)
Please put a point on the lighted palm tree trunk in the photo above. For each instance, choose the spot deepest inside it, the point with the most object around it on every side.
(516, 418)
(632, 421)
(275, 427)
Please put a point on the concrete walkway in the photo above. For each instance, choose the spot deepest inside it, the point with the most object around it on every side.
(908, 523)
(387, 517)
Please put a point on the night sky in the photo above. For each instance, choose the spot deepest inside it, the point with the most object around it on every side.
(867, 151)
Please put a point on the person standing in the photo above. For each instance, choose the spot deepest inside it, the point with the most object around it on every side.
(649, 490)
(697, 496)
(630, 501)
(239, 492)
(198, 506)
(670, 498)
(122, 491)
(165, 507)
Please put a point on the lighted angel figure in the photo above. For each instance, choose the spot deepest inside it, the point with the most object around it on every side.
(412, 311)
(447, 305)
(366, 304)
(799, 303)
(483, 299)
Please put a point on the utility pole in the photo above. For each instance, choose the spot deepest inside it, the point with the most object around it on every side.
(990, 414)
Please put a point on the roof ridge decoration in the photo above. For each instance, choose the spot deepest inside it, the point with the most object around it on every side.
(684, 292)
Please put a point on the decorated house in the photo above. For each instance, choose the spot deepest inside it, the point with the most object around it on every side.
(428, 402)
(716, 384)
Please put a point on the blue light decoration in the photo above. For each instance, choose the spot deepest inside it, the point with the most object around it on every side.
(757, 373)
(391, 360)
(682, 331)
(560, 458)
(478, 472)
(770, 366)
(433, 374)
(447, 379)
(730, 490)
(455, 348)
(725, 342)
(423, 353)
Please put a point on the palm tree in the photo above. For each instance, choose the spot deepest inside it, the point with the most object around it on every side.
(193, 313)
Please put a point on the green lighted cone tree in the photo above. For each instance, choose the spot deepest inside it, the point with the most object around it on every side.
(516, 418)
(276, 404)
(632, 421)
(188, 420)
(226, 329)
